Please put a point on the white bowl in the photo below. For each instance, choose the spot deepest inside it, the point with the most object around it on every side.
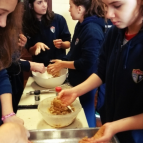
(48, 81)
(58, 121)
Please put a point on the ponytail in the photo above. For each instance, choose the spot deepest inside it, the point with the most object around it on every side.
(93, 7)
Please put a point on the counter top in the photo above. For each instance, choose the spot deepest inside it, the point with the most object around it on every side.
(33, 119)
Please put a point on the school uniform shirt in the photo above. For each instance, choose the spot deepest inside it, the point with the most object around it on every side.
(121, 68)
(58, 29)
(85, 46)
(5, 86)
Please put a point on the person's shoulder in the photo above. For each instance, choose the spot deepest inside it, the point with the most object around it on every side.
(92, 28)
(58, 16)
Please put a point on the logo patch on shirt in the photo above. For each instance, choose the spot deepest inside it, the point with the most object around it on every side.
(137, 75)
(77, 41)
(52, 29)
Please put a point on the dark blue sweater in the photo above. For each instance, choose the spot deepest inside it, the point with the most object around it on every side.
(124, 87)
(5, 86)
(85, 46)
(57, 30)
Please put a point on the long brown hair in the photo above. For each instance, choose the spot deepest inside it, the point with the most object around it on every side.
(9, 36)
(30, 25)
(93, 7)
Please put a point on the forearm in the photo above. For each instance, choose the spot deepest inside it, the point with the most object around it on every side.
(130, 123)
(92, 82)
(68, 64)
(65, 45)
(6, 103)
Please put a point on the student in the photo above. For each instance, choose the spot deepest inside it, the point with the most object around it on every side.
(83, 56)
(10, 25)
(15, 72)
(47, 32)
(121, 68)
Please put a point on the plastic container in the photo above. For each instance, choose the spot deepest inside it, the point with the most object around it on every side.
(58, 121)
(58, 89)
(37, 96)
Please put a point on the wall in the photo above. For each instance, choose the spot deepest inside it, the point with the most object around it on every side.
(62, 7)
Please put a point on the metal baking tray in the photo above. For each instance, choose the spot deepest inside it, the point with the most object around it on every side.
(63, 135)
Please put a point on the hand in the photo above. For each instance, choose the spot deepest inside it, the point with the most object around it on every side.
(54, 68)
(37, 67)
(58, 43)
(14, 133)
(107, 135)
(22, 40)
(14, 119)
(40, 46)
(67, 96)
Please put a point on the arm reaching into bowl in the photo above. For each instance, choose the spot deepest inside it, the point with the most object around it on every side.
(108, 130)
(37, 67)
(93, 139)
(58, 65)
(69, 95)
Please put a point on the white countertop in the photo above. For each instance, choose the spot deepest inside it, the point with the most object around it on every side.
(33, 119)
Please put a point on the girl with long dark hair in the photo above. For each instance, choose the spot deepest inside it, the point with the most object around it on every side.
(47, 32)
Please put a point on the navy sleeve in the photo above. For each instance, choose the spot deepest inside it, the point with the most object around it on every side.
(63, 29)
(91, 44)
(104, 54)
(5, 86)
(25, 66)
(17, 67)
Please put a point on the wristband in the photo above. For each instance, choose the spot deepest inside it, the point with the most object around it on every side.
(7, 116)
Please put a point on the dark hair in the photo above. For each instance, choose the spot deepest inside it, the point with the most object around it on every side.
(30, 25)
(9, 36)
(93, 7)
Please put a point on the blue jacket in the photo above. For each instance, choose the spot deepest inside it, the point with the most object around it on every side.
(5, 86)
(85, 46)
(57, 30)
(121, 68)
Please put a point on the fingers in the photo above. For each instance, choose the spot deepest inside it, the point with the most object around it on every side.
(22, 40)
(22, 37)
(44, 69)
(38, 51)
(42, 47)
(46, 47)
(57, 43)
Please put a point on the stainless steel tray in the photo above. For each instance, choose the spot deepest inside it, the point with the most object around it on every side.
(63, 135)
